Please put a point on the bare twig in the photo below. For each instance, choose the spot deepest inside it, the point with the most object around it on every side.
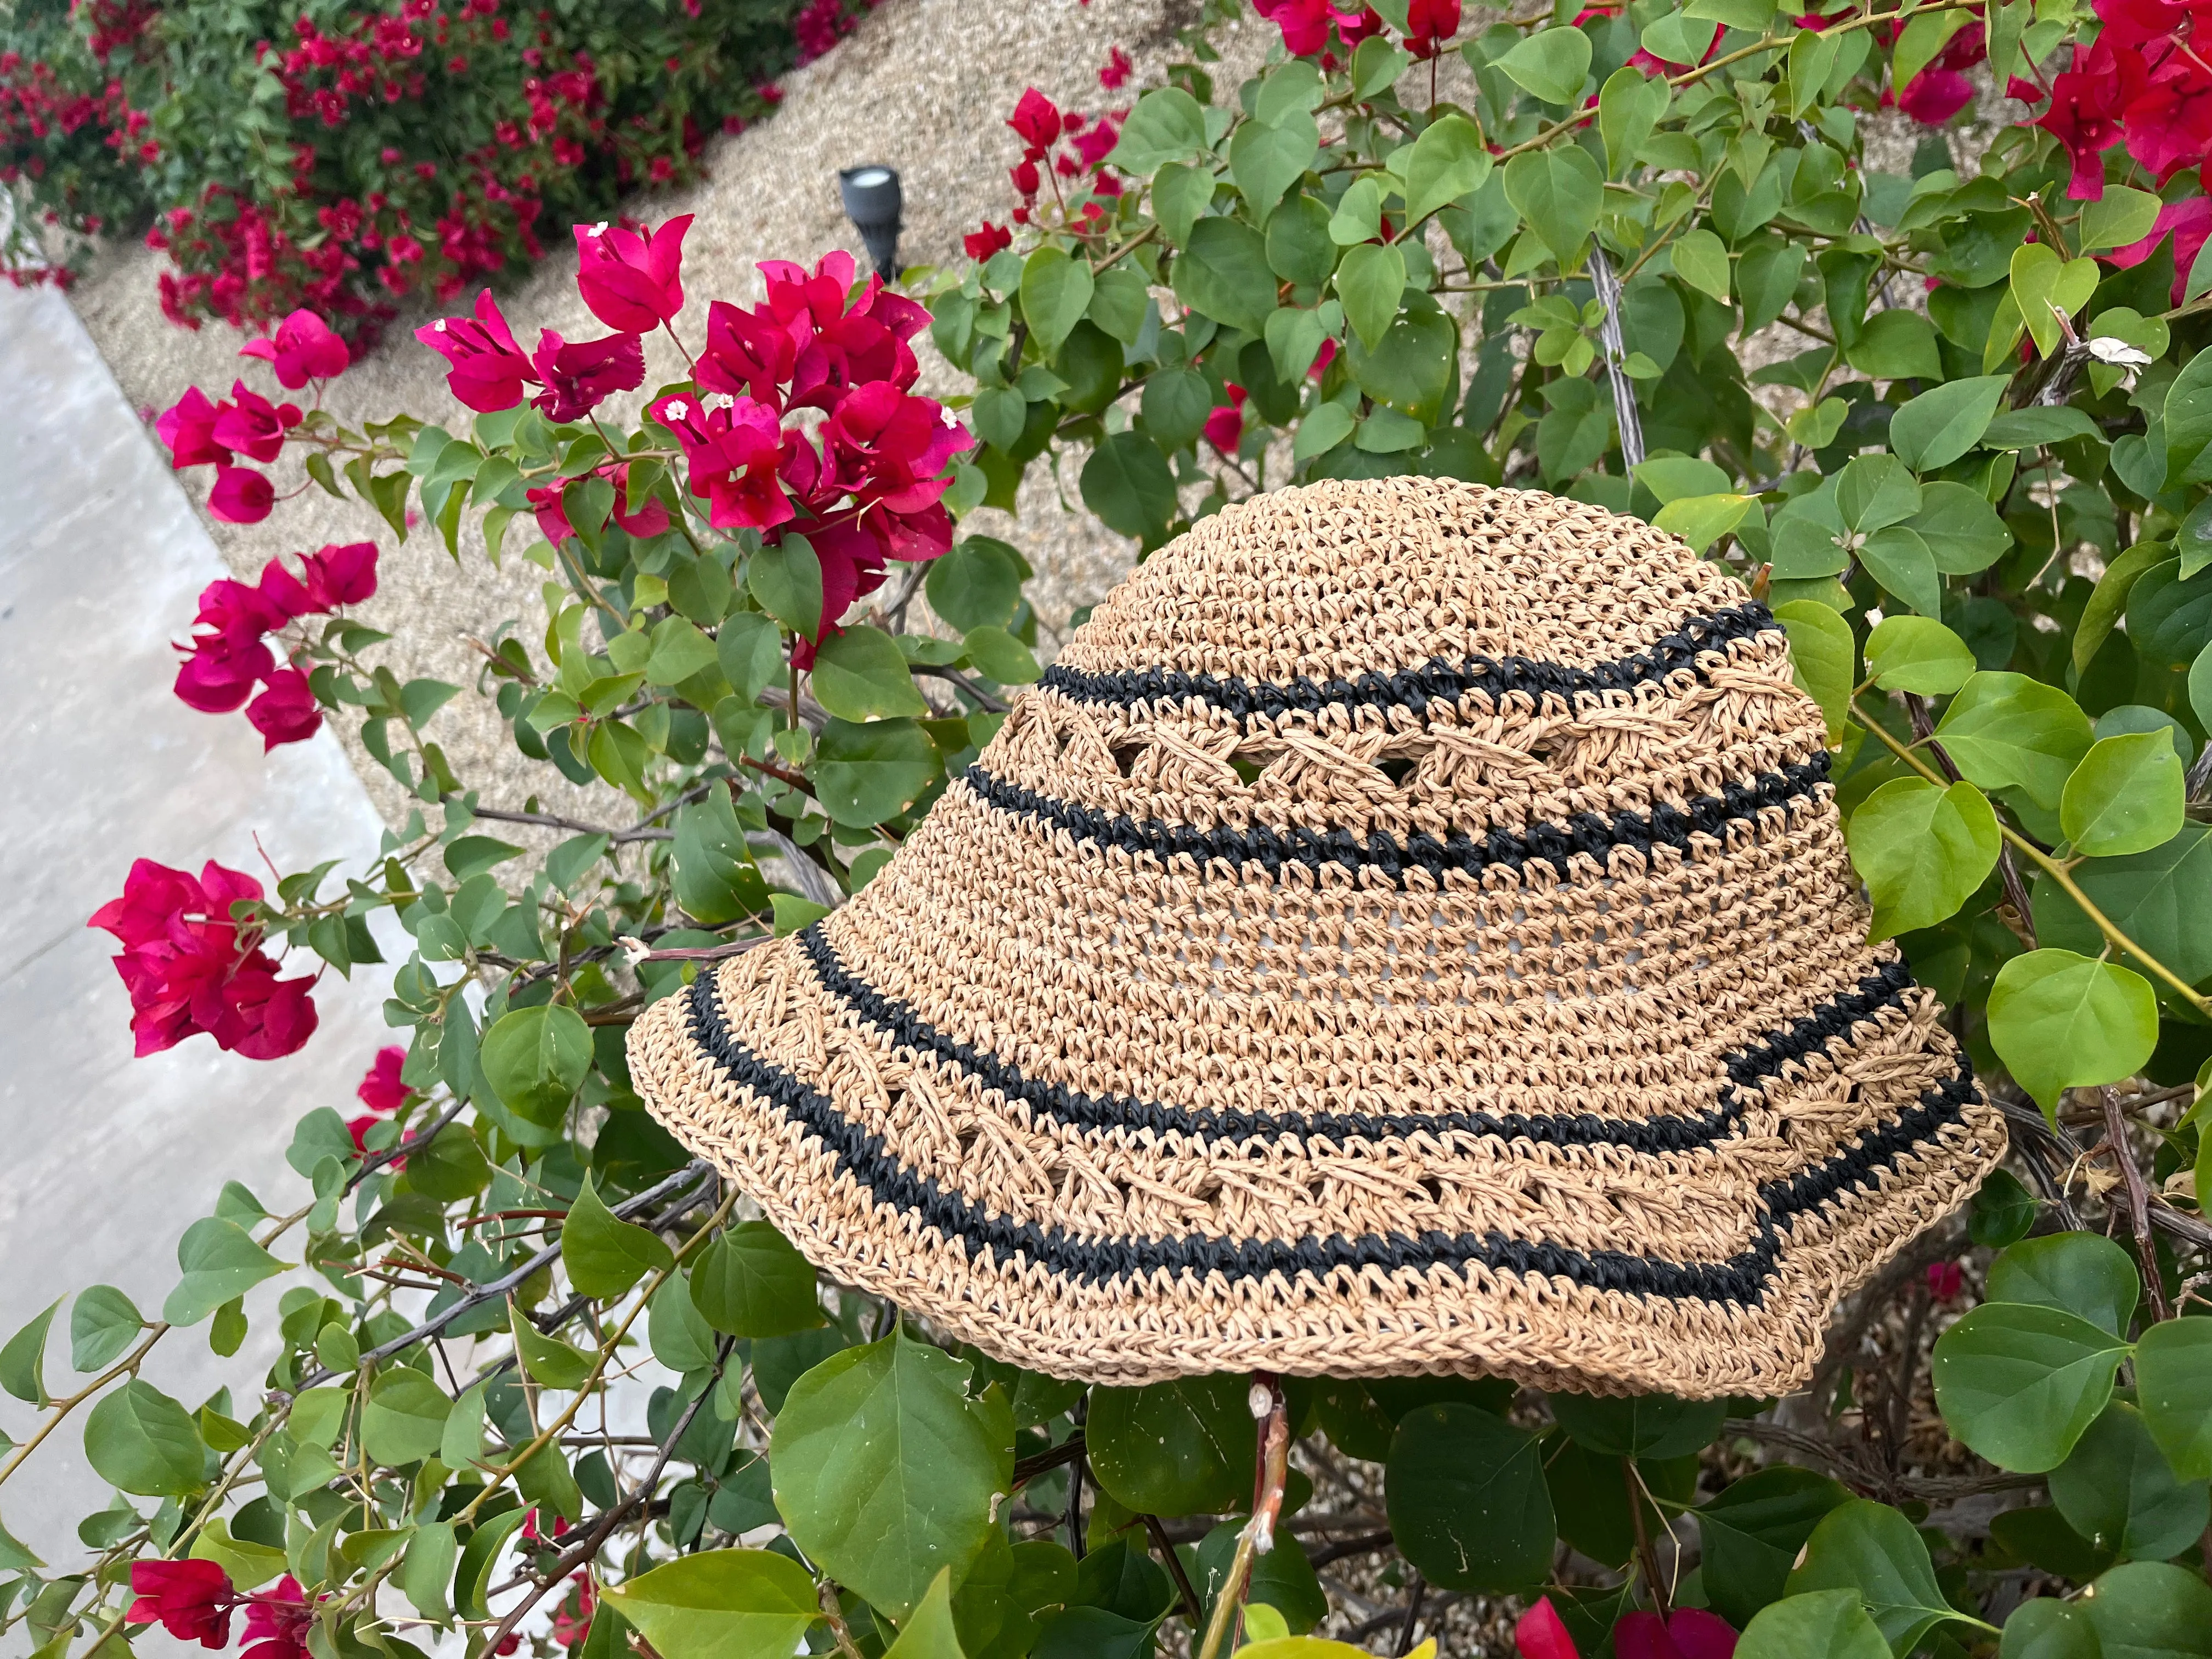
(1191, 1606)
(1258, 1536)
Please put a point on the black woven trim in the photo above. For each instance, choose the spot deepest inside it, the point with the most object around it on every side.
(1885, 988)
(1741, 1279)
(1555, 844)
(1434, 681)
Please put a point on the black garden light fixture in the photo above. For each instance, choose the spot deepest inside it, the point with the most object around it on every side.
(870, 194)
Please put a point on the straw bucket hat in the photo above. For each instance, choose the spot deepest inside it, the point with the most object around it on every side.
(1408, 929)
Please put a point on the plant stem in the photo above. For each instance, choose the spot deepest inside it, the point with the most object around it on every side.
(1258, 1536)
(1647, 1558)
(1191, 1606)
(2116, 1132)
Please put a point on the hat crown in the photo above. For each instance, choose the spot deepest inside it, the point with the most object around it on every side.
(1345, 578)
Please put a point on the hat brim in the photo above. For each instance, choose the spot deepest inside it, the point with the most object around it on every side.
(1696, 1242)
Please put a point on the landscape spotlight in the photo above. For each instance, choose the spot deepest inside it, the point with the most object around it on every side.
(871, 202)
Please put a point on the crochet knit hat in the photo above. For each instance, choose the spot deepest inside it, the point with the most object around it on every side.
(1408, 929)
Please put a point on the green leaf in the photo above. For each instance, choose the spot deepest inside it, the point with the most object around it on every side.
(1701, 260)
(2126, 796)
(929, 1633)
(1655, 1426)
(861, 675)
(716, 880)
(22, 1361)
(679, 651)
(250, 1564)
(403, 1419)
(1415, 370)
(1178, 1447)
(886, 1473)
(2019, 1384)
(2123, 215)
(864, 774)
(1963, 533)
(604, 1255)
(978, 584)
(547, 1359)
(1629, 106)
(1553, 63)
(1896, 558)
(2200, 686)
(1468, 1500)
(1167, 124)
(1001, 657)
(2150, 1610)
(2048, 1628)
(2005, 730)
(1559, 190)
(1449, 160)
(1056, 290)
(424, 1577)
(2084, 1273)
(2188, 417)
(2170, 618)
(1701, 521)
(103, 1322)
(1223, 273)
(1938, 427)
(1327, 426)
(2173, 1383)
(786, 581)
(751, 650)
(1370, 281)
(1752, 1531)
(2116, 1488)
(1128, 484)
(1822, 658)
(749, 1282)
(2042, 281)
(471, 855)
(1872, 1549)
(2024, 429)
(1266, 160)
(480, 1555)
(221, 1263)
(1819, 1625)
(140, 1440)
(1873, 492)
(1918, 653)
(722, 1604)
(2061, 1021)
(536, 1059)
(1896, 345)
(1922, 851)
(461, 1442)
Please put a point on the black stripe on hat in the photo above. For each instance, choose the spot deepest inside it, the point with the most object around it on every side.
(1749, 1069)
(1741, 1279)
(1278, 849)
(1433, 681)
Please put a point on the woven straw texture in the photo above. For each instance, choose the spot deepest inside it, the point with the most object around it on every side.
(1409, 929)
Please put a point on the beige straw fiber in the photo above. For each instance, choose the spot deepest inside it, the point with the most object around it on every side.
(1409, 929)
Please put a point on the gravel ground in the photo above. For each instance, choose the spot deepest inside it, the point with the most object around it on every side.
(923, 85)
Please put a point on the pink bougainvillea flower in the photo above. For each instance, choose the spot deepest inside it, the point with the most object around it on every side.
(2138, 23)
(651, 518)
(1688, 1633)
(1429, 24)
(277, 1621)
(734, 452)
(887, 445)
(286, 712)
(189, 968)
(2169, 125)
(249, 424)
(1945, 1281)
(2086, 104)
(488, 370)
(1935, 95)
(303, 349)
(1094, 146)
(1968, 47)
(1037, 120)
(570, 1628)
(1116, 73)
(1024, 177)
(1304, 23)
(2188, 221)
(187, 426)
(982, 243)
(240, 495)
(381, 1089)
(1539, 1634)
(1224, 424)
(749, 353)
(191, 1599)
(579, 376)
(629, 282)
(341, 573)
(552, 516)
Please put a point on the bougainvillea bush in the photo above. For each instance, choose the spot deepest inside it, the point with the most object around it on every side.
(343, 158)
(535, 1378)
